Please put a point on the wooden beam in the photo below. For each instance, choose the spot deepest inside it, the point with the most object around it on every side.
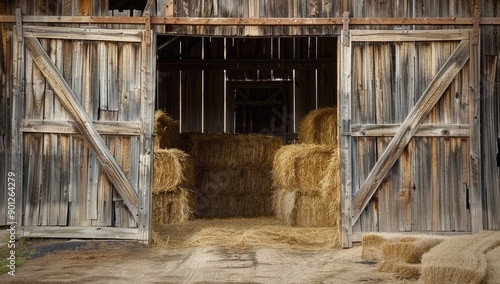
(170, 20)
(409, 35)
(116, 128)
(84, 124)
(83, 33)
(410, 126)
(79, 232)
(424, 130)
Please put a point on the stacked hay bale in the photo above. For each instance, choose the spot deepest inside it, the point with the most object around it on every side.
(173, 174)
(173, 180)
(233, 173)
(305, 175)
(319, 127)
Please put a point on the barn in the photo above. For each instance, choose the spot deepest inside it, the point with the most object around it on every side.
(415, 129)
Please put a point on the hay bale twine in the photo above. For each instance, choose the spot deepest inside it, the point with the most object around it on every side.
(319, 127)
(166, 131)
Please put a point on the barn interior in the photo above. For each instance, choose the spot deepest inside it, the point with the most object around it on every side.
(246, 84)
(235, 101)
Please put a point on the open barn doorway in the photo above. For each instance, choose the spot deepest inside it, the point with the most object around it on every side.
(233, 103)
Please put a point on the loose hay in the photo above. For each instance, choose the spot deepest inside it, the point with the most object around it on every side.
(372, 247)
(172, 207)
(303, 167)
(172, 169)
(319, 127)
(245, 233)
(401, 269)
(230, 150)
(459, 259)
(166, 131)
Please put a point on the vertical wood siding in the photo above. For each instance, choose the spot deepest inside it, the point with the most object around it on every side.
(64, 182)
(427, 188)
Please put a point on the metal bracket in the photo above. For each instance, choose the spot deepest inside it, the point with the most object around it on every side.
(345, 28)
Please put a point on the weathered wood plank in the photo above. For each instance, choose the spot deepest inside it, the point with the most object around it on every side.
(476, 190)
(64, 180)
(489, 139)
(409, 126)
(68, 99)
(409, 35)
(424, 130)
(15, 144)
(77, 232)
(94, 34)
(115, 128)
(345, 142)
(148, 98)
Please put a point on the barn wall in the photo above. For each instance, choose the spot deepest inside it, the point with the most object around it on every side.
(256, 9)
(489, 52)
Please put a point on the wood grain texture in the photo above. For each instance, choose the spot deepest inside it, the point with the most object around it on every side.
(73, 106)
(408, 128)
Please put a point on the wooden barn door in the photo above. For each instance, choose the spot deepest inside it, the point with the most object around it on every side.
(87, 97)
(409, 132)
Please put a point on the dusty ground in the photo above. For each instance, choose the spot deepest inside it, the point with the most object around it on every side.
(79, 261)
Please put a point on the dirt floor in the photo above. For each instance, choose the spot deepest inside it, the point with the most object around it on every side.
(79, 261)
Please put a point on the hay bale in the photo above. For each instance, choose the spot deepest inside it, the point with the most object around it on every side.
(460, 259)
(319, 127)
(233, 205)
(401, 269)
(230, 150)
(172, 169)
(172, 207)
(307, 209)
(408, 251)
(306, 182)
(493, 266)
(166, 131)
(372, 247)
(216, 181)
(303, 167)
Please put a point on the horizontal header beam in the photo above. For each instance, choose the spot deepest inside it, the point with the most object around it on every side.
(247, 21)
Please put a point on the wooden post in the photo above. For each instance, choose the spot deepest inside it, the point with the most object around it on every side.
(345, 142)
(15, 143)
(476, 196)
